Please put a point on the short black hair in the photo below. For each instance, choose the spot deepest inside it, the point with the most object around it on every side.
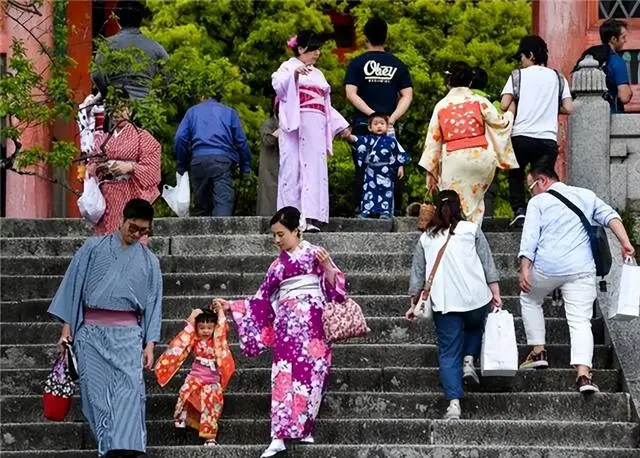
(138, 209)
(307, 39)
(376, 114)
(130, 13)
(611, 28)
(376, 31)
(207, 316)
(289, 217)
(480, 79)
(543, 168)
(534, 46)
(459, 74)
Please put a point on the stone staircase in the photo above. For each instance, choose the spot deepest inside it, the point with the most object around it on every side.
(383, 399)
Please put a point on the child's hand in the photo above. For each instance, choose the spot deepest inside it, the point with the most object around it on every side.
(192, 318)
(219, 305)
(401, 172)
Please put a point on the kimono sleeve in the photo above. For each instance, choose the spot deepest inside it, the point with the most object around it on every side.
(152, 318)
(224, 358)
(67, 305)
(360, 147)
(498, 133)
(401, 155)
(254, 317)
(430, 160)
(174, 356)
(146, 171)
(286, 87)
(336, 291)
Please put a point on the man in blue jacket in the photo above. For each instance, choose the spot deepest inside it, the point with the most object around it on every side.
(211, 137)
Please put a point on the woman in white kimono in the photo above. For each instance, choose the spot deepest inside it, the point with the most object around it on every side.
(308, 124)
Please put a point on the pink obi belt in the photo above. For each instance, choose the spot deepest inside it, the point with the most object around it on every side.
(462, 126)
(103, 317)
(311, 98)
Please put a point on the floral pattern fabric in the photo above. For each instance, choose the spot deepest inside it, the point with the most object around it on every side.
(292, 327)
(469, 171)
(381, 156)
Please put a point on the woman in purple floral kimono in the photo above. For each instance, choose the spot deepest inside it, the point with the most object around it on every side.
(286, 315)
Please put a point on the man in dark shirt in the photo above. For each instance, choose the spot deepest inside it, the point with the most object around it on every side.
(379, 82)
(137, 84)
(210, 141)
(613, 33)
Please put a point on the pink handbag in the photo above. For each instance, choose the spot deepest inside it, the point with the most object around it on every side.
(343, 321)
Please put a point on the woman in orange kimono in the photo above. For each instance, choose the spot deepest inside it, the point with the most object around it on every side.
(126, 162)
(467, 139)
(200, 399)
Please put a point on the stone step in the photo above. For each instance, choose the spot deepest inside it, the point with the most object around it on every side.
(24, 287)
(177, 307)
(358, 242)
(475, 406)
(344, 355)
(348, 261)
(388, 379)
(199, 226)
(584, 435)
(356, 451)
(383, 330)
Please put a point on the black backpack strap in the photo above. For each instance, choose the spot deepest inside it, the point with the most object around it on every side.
(574, 208)
(515, 84)
(560, 86)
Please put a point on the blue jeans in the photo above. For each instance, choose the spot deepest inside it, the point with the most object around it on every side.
(459, 334)
(212, 182)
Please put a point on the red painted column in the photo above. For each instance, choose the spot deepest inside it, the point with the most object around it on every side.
(29, 196)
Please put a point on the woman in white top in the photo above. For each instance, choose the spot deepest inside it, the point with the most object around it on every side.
(465, 281)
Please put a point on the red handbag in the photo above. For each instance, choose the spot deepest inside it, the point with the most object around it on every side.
(58, 392)
(343, 321)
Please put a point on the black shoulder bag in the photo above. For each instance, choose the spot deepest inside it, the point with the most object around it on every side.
(597, 237)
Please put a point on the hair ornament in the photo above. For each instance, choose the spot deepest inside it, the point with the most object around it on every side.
(302, 226)
(293, 42)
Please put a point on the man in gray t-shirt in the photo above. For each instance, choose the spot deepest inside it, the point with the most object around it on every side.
(136, 84)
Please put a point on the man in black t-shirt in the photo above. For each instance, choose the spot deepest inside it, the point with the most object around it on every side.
(379, 82)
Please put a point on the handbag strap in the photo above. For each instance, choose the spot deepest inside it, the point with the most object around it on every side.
(429, 281)
(572, 207)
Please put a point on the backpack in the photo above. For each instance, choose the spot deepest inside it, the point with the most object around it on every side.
(516, 82)
(600, 53)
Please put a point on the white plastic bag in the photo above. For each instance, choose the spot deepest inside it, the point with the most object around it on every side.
(499, 356)
(91, 203)
(627, 307)
(179, 197)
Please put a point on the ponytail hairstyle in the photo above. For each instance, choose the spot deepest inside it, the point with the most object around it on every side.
(448, 213)
(459, 74)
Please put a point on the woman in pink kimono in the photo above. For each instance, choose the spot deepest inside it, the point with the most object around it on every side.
(286, 315)
(308, 124)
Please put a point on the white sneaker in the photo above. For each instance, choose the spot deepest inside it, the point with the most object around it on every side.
(453, 411)
(312, 229)
(468, 371)
(181, 422)
(276, 446)
(307, 440)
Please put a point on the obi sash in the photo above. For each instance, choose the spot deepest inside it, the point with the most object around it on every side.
(311, 99)
(102, 317)
(300, 285)
(462, 126)
(205, 370)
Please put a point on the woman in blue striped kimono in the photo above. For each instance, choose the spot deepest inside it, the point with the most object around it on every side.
(110, 302)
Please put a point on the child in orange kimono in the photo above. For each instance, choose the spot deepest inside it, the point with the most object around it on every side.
(200, 398)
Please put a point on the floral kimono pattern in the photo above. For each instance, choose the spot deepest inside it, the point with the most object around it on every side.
(291, 324)
(380, 156)
(467, 139)
(200, 396)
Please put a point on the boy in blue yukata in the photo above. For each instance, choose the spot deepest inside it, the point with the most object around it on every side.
(381, 157)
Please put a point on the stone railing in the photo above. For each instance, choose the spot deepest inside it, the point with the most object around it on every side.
(603, 149)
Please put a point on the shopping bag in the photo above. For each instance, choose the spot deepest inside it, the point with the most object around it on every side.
(627, 307)
(91, 203)
(499, 355)
(178, 197)
(58, 391)
(342, 321)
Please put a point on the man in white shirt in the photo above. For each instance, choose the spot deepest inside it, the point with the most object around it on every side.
(539, 93)
(555, 252)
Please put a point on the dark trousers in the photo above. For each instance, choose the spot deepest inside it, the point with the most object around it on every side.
(529, 151)
(398, 190)
(459, 334)
(490, 196)
(212, 183)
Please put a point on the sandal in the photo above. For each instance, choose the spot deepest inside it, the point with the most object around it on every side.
(210, 443)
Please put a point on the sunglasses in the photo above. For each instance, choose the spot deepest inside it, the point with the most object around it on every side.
(133, 228)
(533, 185)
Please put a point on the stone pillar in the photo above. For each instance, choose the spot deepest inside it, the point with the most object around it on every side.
(588, 165)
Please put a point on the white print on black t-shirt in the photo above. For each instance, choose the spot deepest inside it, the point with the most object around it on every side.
(376, 73)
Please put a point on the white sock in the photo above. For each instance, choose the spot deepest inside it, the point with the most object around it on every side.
(454, 403)
(468, 360)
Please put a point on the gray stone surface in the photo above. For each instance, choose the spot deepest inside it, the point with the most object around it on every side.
(619, 184)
